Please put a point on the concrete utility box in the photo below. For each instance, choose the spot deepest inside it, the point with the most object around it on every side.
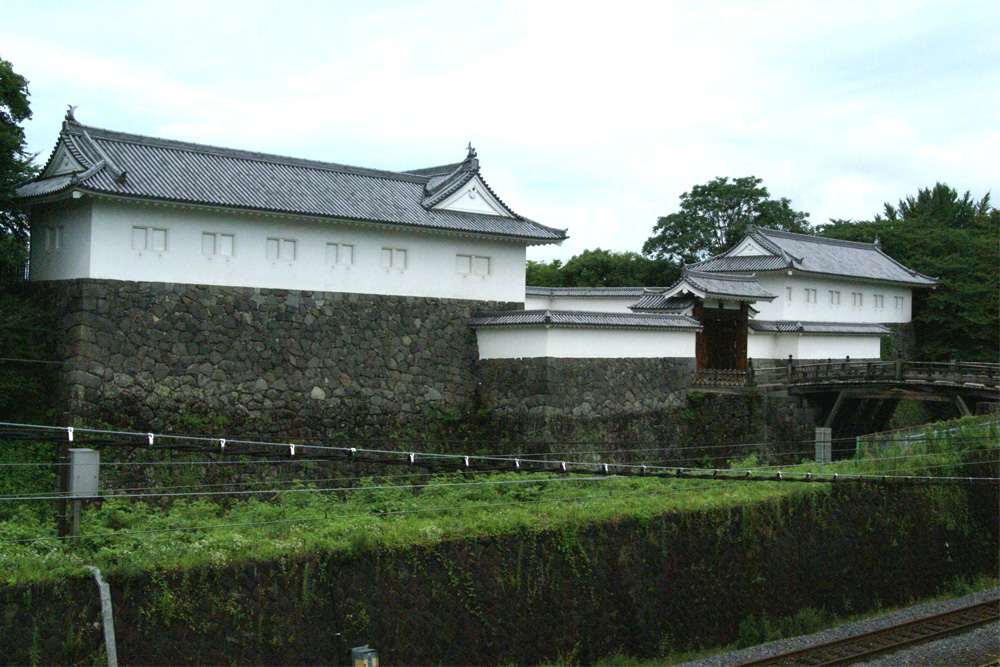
(363, 656)
(824, 445)
(84, 465)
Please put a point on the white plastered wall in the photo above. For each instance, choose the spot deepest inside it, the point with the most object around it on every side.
(592, 304)
(431, 268)
(583, 343)
(812, 346)
(70, 258)
(798, 309)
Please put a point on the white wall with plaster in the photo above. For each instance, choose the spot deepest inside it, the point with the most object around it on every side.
(583, 343)
(807, 299)
(589, 304)
(120, 240)
(811, 346)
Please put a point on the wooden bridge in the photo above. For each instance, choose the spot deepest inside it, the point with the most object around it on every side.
(857, 397)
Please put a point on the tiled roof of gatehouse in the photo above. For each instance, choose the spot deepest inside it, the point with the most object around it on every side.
(139, 167)
(818, 255)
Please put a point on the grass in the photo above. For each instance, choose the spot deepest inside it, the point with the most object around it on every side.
(123, 535)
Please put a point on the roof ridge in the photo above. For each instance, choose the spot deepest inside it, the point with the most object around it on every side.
(594, 287)
(810, 322)
(718, 275)
(817, 239)
(236, 153)
(439, 170)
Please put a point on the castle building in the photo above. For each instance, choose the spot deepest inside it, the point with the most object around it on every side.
(194, 280)
(774, 295)
(116, 206)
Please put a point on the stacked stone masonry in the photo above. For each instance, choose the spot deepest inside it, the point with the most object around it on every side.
(294, 364)
(586, 388)
(304, 362)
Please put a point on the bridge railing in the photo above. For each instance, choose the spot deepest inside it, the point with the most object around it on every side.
(846, 370)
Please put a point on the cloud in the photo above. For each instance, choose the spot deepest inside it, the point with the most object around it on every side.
(591, 117)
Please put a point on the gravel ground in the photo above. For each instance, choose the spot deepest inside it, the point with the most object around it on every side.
(973, 648)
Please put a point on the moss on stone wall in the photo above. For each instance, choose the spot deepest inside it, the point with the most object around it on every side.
(634, 587)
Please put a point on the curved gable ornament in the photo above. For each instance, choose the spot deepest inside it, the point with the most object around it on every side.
(474, 197)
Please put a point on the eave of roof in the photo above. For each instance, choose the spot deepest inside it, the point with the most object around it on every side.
(722, 286)
(826, 328)
(572, 318)
(594, 292)
(660, 303)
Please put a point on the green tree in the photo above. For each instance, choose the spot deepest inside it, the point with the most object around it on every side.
(24, 333)
(715, 216)
(15, 162)
(15, 168)
(602, 268)
(955, 239)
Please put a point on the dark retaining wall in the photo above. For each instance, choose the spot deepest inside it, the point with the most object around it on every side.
(595, 405)
(282, 362)
(637, 587)
(285, 364)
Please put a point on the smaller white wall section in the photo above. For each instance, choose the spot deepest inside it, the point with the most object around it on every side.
(60, 241)
(171, 244)
(838, 347)
(819, 305)
(812, 346)
(583, 343)
(587, 304)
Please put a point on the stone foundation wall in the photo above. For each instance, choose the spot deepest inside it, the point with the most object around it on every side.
(275, 364)
(587, 388)
(262, 361)
(592, 407)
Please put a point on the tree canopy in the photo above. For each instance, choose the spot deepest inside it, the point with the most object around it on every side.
(15, 162)
(714, 217)
(602, 268)
(24, 332)
(955, 239)
(15, 168)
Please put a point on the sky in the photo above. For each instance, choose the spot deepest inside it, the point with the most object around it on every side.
(591, 117)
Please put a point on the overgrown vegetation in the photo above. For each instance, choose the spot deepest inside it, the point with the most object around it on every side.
(127, 535)
(136, 534)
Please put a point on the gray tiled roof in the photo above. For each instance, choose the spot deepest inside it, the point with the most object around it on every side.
(660, 303)
(726, 286)
(751, 263)
(815, 254)
(612, 292)
(135, 166)
(853, 328)
(574, 318)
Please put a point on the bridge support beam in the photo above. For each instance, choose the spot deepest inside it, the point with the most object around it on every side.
(835, 409)
(963, 409)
